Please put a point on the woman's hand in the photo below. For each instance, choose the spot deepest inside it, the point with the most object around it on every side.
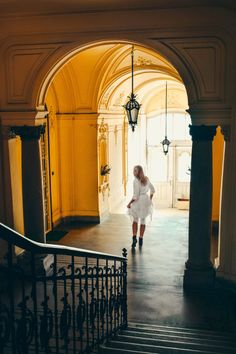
(129, 205)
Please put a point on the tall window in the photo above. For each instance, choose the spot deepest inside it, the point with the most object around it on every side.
(184, 163)
(177, 127)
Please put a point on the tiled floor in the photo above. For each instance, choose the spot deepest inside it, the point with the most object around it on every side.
(155, 273)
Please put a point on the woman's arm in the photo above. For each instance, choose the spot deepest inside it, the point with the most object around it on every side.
(129, 205)
(152, 190)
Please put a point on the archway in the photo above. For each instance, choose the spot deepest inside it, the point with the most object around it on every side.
(85, 94)
(94, 82)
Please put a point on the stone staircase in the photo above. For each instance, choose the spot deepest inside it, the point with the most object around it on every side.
(144, 338)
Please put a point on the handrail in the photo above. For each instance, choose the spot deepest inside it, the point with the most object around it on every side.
(8, 234)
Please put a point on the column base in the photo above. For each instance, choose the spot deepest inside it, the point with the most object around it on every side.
(199, 279)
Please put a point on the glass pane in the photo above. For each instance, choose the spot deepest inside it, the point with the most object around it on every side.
(177, 127)
(184, 163)
(155, 130)
(157, 165)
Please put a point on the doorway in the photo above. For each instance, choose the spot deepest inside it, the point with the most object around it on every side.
(83, 115)
(169, 173)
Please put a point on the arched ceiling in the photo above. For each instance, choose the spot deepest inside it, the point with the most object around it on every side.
(98, 79)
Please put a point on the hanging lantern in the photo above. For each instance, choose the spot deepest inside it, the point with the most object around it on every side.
(166, 142)
(132, 107)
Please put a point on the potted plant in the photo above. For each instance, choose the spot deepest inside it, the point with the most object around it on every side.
(105, 171)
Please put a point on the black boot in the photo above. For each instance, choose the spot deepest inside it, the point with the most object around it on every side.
(134, 241)
(140, 241)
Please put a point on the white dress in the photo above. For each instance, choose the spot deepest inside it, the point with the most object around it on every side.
(142, 205)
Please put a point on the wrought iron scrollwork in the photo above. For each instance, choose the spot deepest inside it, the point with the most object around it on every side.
(46, 325)
(72, 309)
(24, 327)
(5, 327)
(65, 319)
(80, 313)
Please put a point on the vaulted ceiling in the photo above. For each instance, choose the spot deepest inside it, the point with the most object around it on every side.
(98, 79)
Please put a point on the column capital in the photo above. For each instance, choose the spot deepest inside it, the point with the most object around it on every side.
(29, 132)
(202, 132)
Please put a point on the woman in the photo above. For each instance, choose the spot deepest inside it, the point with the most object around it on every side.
(140, 205)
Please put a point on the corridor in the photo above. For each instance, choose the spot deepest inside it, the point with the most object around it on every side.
(155, 273)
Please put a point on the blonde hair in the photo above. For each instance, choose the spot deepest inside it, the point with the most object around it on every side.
(141, 176)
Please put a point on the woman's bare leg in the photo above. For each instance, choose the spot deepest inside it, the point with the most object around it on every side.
(135, 228)
(142, 230)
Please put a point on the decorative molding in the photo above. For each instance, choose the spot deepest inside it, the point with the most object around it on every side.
(52, 118)
(176, 98)
(210, 114)
(202, 132)
(141, 61)
(103, 129)
(22, 64)
(204, 58)
(118, 102)
(27, 132)
(103, 188)
(105, 99)
(103, 160)
(15, 118)
(116, 133)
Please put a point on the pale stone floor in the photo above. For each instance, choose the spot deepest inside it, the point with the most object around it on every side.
(155, 273)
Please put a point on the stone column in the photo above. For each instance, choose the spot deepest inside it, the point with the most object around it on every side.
(199, 272)
(32, 185)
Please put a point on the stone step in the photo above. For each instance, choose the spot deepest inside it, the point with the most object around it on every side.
(178, 330)
(178, 336)
(107, 350)
(207, 335)
(138, 348)
(141, 338)
(186, 344)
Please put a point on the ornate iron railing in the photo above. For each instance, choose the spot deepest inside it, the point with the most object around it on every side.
(72, 308)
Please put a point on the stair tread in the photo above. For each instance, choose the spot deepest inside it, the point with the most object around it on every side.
(151, 341)
(179, 329)
(156, 347)
(180, 336)
(126, 350)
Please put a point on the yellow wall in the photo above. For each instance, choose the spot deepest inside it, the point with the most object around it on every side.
(54, 166)
(16, 182)
(218, 149)
(78, 165)
(73, 156)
